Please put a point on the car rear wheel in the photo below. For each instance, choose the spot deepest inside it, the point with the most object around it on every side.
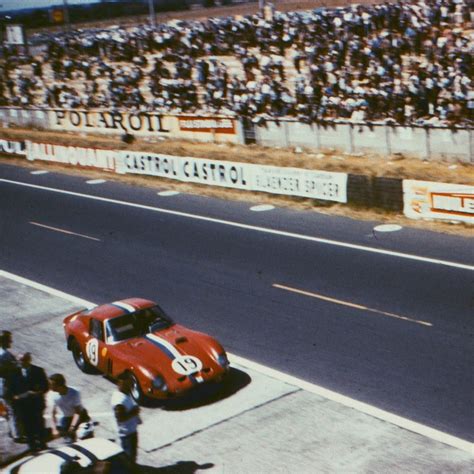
(135, 390)
(79, 358)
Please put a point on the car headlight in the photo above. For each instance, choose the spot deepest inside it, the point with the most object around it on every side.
(222, 360)
(159, 383)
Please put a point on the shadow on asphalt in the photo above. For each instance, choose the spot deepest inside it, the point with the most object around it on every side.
(181, 467)
(209, 393)
(202, 394)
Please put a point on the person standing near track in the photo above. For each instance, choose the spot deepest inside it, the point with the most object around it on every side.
(127, 416)
(67, 410)
(8, 367)
(28, 388)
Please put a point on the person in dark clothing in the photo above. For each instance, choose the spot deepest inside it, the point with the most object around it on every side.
(8, 367)
(28, 388)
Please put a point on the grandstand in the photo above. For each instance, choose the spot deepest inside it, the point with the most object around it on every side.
(409, 62)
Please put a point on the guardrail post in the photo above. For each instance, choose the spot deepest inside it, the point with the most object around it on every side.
(388, 142)
(471, 146)
(240, 131)
(286, 134)
(351, 138)
(428, 144)
(318, 136)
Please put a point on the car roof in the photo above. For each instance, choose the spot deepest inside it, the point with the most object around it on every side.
(83, 452)
(117, 308)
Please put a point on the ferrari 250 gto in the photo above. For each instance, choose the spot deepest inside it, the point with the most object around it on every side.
(135, 337)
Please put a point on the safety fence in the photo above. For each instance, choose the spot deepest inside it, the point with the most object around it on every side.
(423, 142)
(427, 143)
(417, 199)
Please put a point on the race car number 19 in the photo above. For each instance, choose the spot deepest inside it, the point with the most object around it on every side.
(92, 351)
(186, 365)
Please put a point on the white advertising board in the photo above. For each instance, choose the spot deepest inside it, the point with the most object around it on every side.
(14, 34)
(311, 184)
(271, 179)
(430, 200)
(111, 121)
(144, 124)
(187, 169)
(71, 155)
(12, 147)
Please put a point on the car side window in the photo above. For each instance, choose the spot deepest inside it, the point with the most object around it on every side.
(121, 328)
(96, 330)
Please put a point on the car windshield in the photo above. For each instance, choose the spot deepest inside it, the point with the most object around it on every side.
(137, 324)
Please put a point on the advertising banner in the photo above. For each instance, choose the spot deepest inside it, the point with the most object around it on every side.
(12, 147)
(189, 127)
(430, 200)
(190, 170)
(271, 179)
(15, 34)
(206, 124)
(140, 123)
(300, 182)
(71, 155)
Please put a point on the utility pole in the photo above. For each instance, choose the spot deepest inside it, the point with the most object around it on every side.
(67, 22)
(151, 13)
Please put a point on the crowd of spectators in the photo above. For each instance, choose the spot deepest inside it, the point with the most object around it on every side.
(407, 62)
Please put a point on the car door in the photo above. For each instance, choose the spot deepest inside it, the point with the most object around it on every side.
(95, 348)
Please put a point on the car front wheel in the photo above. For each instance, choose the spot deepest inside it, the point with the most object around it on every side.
(79, 358)
(135, 389)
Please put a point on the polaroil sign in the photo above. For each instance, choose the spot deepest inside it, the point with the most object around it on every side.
(115, 121)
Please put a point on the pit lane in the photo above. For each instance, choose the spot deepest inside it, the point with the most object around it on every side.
(258, 422)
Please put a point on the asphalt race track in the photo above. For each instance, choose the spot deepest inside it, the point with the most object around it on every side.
(257, 421)
(383, 318)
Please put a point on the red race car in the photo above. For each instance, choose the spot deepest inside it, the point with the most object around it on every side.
(136, 337)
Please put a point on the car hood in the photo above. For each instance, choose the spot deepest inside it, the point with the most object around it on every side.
(172, 345)
(52, 460)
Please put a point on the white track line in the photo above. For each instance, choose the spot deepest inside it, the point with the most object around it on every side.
(350, 305)
(47, 289)
(262, 208)
(251, 227)
(309, 387)
(359, 406)
(63, 231)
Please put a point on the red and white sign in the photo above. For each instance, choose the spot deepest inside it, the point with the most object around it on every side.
(71, 155)
(430, 200)
(206, 124)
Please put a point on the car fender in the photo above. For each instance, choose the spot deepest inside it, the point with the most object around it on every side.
(211, 345)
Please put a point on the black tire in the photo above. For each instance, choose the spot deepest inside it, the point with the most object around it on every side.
(136, 391)
(80, 359)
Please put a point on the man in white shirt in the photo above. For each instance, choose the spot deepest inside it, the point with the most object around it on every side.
(67, 410)
(127, 415)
